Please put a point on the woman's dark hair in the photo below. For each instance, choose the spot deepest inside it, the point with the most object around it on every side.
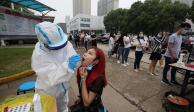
(112, 35)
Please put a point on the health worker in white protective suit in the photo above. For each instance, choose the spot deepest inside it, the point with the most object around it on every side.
(54, 60)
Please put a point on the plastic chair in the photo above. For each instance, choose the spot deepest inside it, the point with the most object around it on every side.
(27, 86)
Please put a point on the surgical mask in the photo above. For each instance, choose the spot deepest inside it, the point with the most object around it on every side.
(141, 35)
(89, 67)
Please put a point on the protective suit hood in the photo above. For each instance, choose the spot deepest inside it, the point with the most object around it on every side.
(51, 35)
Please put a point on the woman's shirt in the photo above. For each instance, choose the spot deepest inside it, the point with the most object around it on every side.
(127, 42)
(97, 88)
(111, 43)
(140, 43)
(156, 46)
(120, 42)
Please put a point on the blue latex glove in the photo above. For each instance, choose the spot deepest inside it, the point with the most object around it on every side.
(73, 61)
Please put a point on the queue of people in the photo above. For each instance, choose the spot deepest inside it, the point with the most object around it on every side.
(163, 46)
(122, 46)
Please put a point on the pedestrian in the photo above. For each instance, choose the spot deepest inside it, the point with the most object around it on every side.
(172, 52)
(91, 80)
(76, 40)
(127, 44)
(111, 45)
(156, 53)
(120, 50)
(86, 41)
(82, 35)
(93, 40)
(141, 45)
(53, 60)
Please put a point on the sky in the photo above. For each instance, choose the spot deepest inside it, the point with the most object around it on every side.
(65, 7)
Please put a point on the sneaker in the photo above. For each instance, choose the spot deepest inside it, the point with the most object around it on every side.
(175, 82)
(127, 64)
(165, 82)
(118, 61)
(124, 65)
(150, 73)
(140, 69)
(136, 70)
(155, 74)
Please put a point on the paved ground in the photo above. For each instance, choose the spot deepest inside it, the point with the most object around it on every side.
(127, 91)
(140, 89)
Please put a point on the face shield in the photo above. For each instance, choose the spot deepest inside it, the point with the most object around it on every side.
(51, 35)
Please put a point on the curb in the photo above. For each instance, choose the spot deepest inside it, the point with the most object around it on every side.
(16, 76)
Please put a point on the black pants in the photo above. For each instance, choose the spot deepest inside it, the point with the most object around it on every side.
(86, 45)
(76, 43)
(138, 57)
(167, 67)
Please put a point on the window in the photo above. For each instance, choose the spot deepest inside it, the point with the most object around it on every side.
(85, 19)
(2, 17)
(84, 25)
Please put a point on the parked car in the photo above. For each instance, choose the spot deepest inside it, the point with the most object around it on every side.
(103, 38)
(187, 42)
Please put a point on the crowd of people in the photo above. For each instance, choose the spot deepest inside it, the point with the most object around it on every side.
(163, 46)
(82, 39)
(54, 60)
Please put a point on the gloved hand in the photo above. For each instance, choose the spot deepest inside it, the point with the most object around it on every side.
(73, 61)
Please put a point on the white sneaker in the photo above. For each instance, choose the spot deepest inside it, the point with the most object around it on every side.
(127, 63)
(136, 70)
(118, 61)
(124, 65)
(155, 74)
(140, 69)
(151, 74)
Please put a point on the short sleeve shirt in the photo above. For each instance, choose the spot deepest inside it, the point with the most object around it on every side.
(97, 88)
(176, 45)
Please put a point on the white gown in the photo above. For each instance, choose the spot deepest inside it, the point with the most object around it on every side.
(53, 74)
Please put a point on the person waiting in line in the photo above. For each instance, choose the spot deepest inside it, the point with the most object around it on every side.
(141, 45)
(111, 45)
(172, 53)
(76, 40)
(86, 41)
(127, 44)
(156, 52)
(91, 80)
(93, 40)
(120, 49)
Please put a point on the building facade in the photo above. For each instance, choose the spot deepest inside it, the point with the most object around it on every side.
(105, 6)
(86, 23)
(81, 7)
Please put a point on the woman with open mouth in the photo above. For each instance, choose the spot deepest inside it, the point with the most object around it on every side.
(91, 80)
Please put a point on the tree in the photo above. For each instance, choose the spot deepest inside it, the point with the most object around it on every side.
(151, 17)
(115, 20)
(192, 12)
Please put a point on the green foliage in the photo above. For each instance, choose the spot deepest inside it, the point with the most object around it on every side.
(117, 18)
(14, 60)
(192, 12)
(151, 17)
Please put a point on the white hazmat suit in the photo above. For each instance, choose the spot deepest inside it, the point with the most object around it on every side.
(50, 61)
